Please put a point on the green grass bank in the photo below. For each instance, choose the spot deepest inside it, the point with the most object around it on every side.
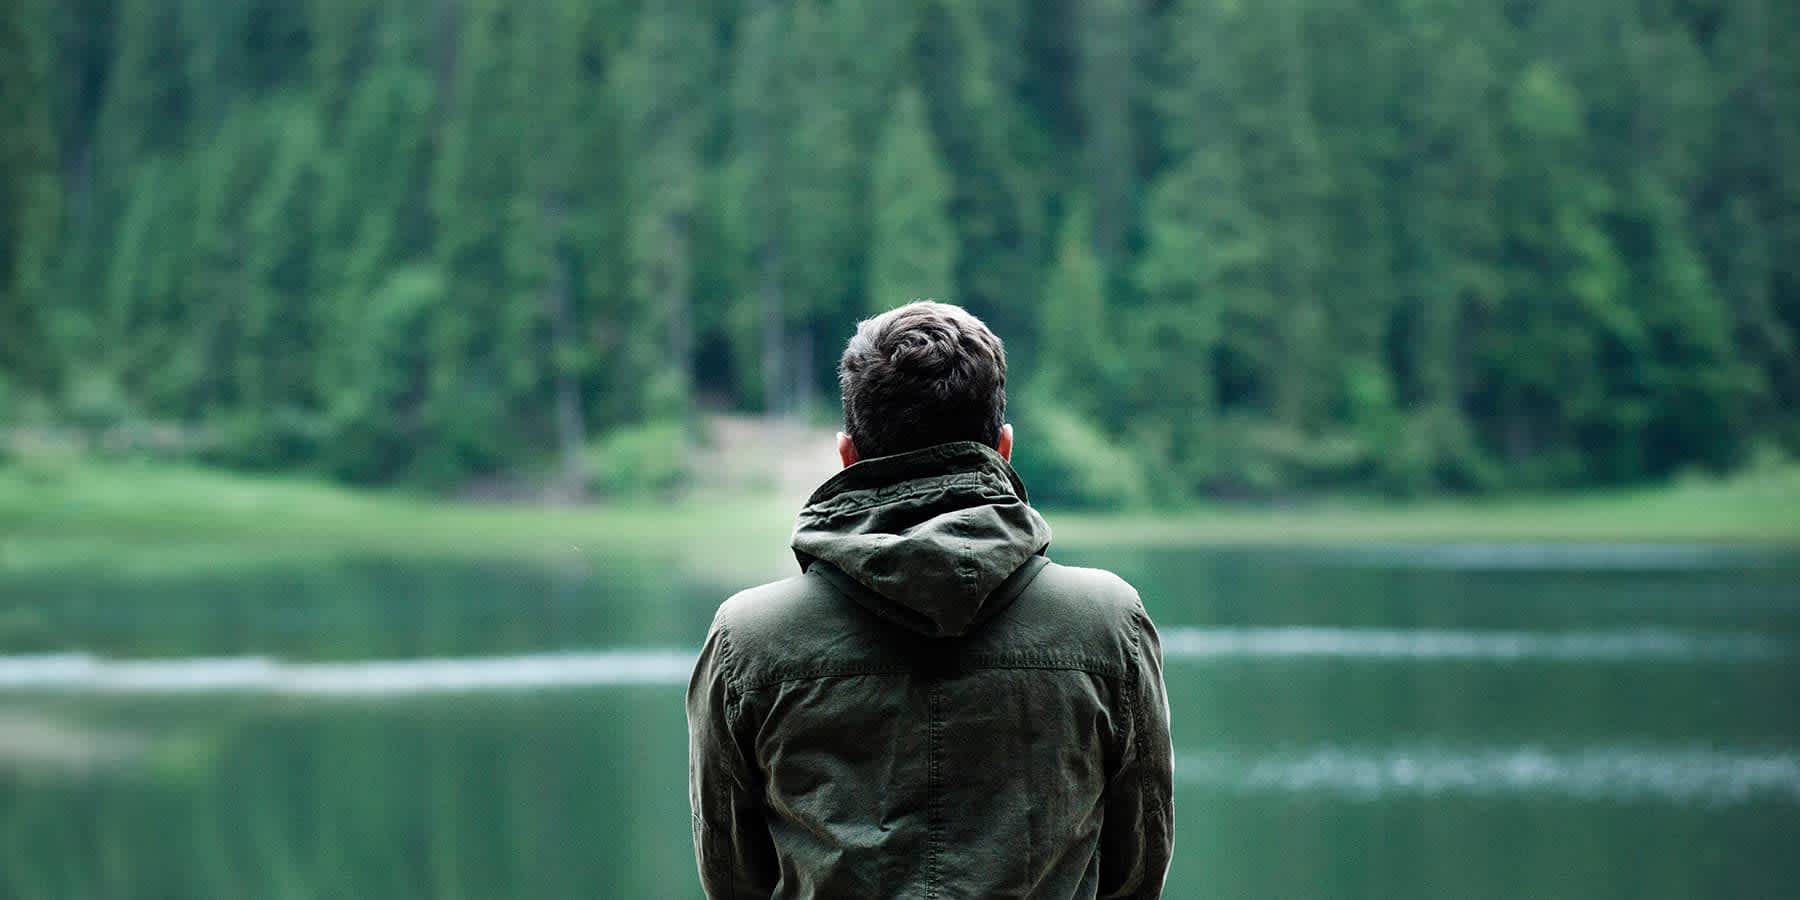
(63, 512)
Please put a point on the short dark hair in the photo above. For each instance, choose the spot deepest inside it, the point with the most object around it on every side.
(922, 374)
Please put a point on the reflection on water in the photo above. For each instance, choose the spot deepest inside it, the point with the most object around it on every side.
(372, 678)
(34, 740)
(1682, 774)
(1568, 557)
(396, 678)
(1643, 644)
(1350, 722)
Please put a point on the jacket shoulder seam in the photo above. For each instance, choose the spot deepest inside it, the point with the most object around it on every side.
(828, 672)
(1137, 641)
(1047, 662)
(734, 688)
(1040, 663)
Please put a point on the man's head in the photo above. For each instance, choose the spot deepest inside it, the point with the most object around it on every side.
(922, 374)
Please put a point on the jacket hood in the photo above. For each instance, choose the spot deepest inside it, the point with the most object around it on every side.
(926, 538)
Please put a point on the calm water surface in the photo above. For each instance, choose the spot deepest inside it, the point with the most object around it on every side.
(1400, 722)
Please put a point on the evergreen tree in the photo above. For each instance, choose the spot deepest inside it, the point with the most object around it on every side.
(1561, 308)
(28, 199)
(818, 152)
(913, 252)
(1203, 248)
(1109, 33)
(1443, 234)
(1749, 196)
(478, 338)
(975, 75)
(756, 212)
(1077, 348)
(663, 83)
(1422, 246)
(373, 238)
(277, 351)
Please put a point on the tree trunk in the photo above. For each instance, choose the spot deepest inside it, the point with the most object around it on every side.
(571, 424)
(677, 280)
(774, 337)
(805, 388)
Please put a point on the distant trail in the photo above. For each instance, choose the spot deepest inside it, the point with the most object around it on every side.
(1411, 645)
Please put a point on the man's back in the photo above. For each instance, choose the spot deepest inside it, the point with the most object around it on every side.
(933, 709)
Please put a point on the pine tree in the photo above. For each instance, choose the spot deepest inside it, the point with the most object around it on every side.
(1077, 351)
(372, 239)
(150, 94)
(913, 252)
(974, 71)
(822, 222)
(1564, 283)
(663, 84)
(1749, 226)
(478, 208)
(1204, 248)
(1108, 34)
(1445, 241)
(28, 199)
(757, 216)
(1285, 168)
(1422, 245)
(277, 352)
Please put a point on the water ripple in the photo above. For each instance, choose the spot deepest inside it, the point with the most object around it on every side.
(1614, 645)
(84, 672)
(256, 674)
(1682, 774)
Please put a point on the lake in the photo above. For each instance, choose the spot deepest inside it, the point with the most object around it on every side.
(1399, 721)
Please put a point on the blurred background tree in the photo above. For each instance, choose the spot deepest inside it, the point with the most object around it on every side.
(1411, 245)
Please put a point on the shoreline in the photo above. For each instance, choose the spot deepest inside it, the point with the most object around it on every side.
(130, 513)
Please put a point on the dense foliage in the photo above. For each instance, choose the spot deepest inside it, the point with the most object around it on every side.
(1259, 246)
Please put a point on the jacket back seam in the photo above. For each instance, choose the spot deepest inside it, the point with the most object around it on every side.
(935, 736)
(1141, 722)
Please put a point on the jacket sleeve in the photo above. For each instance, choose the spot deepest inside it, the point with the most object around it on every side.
(1138, 829)
(731, 838)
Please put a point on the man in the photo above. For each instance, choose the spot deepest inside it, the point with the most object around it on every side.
(932, 708)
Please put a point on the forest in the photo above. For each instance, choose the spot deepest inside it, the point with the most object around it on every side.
(1235, 248)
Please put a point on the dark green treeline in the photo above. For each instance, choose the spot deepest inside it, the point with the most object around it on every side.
(1415, 244)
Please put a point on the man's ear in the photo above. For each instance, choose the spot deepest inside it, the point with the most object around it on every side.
(1005, 445)
(847, 450)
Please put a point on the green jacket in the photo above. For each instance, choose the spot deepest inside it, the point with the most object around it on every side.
(933, 708)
